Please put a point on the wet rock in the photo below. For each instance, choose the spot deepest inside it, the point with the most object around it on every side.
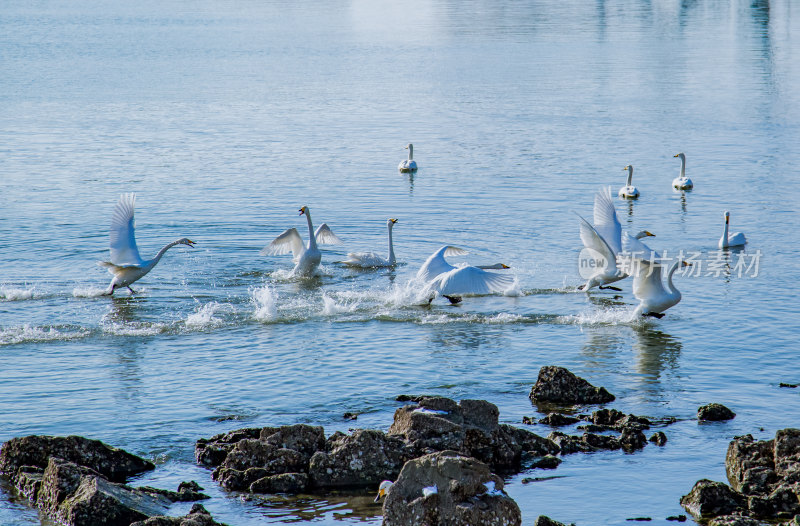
(467, 494)
(546, 462)
(714, 413)
(35, 450)
(601, 441)
(557, 420)
(350, 416)
(283, 483)
(632, 439)
(98, 502)
(733, 520)
(712, 499)
(435, 424)
(544, 520)
(211, 452)
(787, 451)
(60, 479)
(557, 385)
(184, 493)
(750, 465)
(790, 386)
(28, 481)
(527, 420)
(364, 458)
(658, 438)
(569, 444)
(198, 516)
(677, 518)
(633, 422)
(606, 417)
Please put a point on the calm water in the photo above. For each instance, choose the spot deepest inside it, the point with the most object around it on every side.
(226, 117)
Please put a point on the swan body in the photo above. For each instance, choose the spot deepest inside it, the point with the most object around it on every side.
(629, 191)
(682, 182)
(371, 259)
(444, 279)
(307, 258)
(648, 287)
(730, 240)
(408, 165)
(605, 239)
(126, 265)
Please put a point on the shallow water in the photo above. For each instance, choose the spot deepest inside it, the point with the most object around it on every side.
(226, 117)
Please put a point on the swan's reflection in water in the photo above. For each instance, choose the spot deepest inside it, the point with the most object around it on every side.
(655, 351)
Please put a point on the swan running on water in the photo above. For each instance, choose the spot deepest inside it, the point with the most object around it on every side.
(449, 281)
(648, 286)
(307, 258)
(682, 182)
(126, 265)
(605, 240)
(629, 191)
(408, 165)
(730, 240)
(371, 259)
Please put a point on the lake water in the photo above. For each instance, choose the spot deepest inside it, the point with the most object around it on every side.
(226, 117)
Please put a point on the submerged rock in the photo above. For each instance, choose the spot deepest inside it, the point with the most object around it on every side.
(714, 413)
(557, 385)
(557, 420)
(544, 520)
(198, 516)
(658, 438)
(466, 493)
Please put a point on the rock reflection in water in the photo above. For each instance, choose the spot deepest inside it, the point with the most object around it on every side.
(351, 506)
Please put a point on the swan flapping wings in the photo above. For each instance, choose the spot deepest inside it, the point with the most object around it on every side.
(124, 251)
(325, 236)
(289, 241)
(436, 264)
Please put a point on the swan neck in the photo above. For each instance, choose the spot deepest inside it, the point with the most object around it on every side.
(683, 167)
(312, 241)
(410, 152)
(724, 240)
(672, 270)
(630, 175)
(391, 247)
(161, 252)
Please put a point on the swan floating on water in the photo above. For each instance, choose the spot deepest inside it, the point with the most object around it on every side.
(648, 286)
(307, 258)
(605, 239)
(371, 259)
(126, 264)
(682, 182)
(730, 240)
(444, 279)
(629, 191)
(408, 165)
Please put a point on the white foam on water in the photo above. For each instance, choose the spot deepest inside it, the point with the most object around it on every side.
(504, 318)
(330, 306)
(203, 316)
(265, 300)
(135, 329)
(26, 333)
(87, 292)
(613, 316)
(16, 294)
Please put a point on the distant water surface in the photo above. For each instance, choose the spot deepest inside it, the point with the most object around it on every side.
(226, 117)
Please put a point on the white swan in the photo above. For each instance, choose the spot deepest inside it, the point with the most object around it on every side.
(648, 287)
(383, 488)
(444, 279)
(408, 165)
(307, 258)
(371, 259)
(126, 264)
(629, 191)
(605, 239)
(682, 182)
(730, 240)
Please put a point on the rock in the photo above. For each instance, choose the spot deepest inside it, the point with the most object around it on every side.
(61, 479)
(182, 495)
(527, 420)
(544, 520)
(468, 494)
(714, 413)
(569, 444)
(557, 385)
(29, 481)
(712, 499)
(546, 462)
(606, 417)
(632, 439)
(658, 438)
(35, 450)
(364, 458)
(733, 520)
(677, 518)
(638, 423)
(212, 451)
(435, 423)
(601, 441)
(283, 483)
(787, 451)
(504, 448)
(198, 516)
(557, 420)
(98, 502)
(750, 465)
(350, 416)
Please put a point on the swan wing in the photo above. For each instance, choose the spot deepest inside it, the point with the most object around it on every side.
(454, 251)
(594, 241)
(325, 236)
(633, 248)
(365, 259)
(471, 280)
(289, 241)
(436, 264)
(605, 219)
(647, 282)
(123, 237)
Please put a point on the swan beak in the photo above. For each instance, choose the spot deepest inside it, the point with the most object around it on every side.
(190, 243)
(676, 155)
(381, 493)
(393, 220)
(302, 211)
(649, 234)
(685, 264)
(504, 265)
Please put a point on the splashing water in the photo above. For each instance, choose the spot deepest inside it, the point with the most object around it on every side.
(15, 294)
(87, 292)
(203, 316)
(265, 300)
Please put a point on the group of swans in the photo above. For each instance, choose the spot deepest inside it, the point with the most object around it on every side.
(679, 183)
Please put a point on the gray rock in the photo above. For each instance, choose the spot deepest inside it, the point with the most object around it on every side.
(98, 502)
(787, 451)
(658, 438)
(61, 479)
(606, 417)
(198, 516)
(632, 439)
(28, 481)
(182, 495)
(544, 520)
(714, 413)
(435, 423)
(712, 499)
(733, 520)
(750, 465)
(601, 441)
(461, 498)
(557, 420)
(211, 452)
(35, 450)
(283, 483)
(557, 385)
(546, 462)
(568, 444)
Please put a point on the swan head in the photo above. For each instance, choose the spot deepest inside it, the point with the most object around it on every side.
(390, 222)
(383, 488)
(408, 146)
(185, 241)
(727, 216)
(683, 157)
(303, 210)
(644, 233)
(496, 266)
(628, 168)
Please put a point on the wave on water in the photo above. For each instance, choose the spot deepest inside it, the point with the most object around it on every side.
(135, 328)
(203, 316)
(265, 300)
(331, 307)
(611, 316)
(16, 294)
(27, 334)
(87, 292)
